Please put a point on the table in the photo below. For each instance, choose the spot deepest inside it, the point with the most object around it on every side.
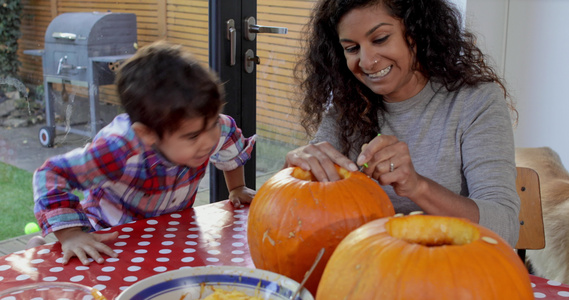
(213, 234)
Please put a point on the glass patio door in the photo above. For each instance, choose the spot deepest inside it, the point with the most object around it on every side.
(253, 50)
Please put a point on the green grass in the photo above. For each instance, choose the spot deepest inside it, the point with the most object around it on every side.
(16, 201)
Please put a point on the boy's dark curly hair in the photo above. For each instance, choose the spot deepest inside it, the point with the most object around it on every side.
(161, 85)
(446, 53)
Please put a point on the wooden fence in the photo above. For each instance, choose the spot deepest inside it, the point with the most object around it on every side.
(185, 22)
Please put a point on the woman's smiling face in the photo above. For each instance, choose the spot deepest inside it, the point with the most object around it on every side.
(378, 55)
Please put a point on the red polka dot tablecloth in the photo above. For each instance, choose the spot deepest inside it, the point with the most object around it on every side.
(213, 234)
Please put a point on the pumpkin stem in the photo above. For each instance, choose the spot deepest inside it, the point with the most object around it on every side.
(432, 231)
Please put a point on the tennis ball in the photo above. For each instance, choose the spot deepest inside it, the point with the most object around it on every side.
(31, 228)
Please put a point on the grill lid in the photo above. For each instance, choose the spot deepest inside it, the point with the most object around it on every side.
(92, 28)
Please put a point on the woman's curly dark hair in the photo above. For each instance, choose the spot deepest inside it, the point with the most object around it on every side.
(445, 53)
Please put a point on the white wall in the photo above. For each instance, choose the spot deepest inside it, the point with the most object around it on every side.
(529, 41)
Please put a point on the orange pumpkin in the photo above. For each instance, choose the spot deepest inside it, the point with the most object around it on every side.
(424, 257)
(293, 216)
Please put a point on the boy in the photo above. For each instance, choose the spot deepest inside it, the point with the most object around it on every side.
(146, 162)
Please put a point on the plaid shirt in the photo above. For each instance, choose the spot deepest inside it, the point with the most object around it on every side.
(123, 179)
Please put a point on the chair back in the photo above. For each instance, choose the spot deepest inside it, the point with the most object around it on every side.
(532, 235)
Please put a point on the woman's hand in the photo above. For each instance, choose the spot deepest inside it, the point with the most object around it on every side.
(240, 195)
(389, 162)
(319, 159)
(76, 242)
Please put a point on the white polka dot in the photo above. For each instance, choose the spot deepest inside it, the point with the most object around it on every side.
(539, 295)
(162, 259)
(239, 211)
(118, 251)
(175, 216)
(109, 228)
(103, 278)
(149, 229)
(59, 260)
(216, 236)
(173, 223)
(130, 278)
(239, 222)
(194, 223)
(36, 261)
(214, 244)
(160, 269)
(127, 229)
(192, 236)
(553, 283)
(100, 287)
(171, 229)
(239, 244)
(151, 222)
(108, 269)
(212, 259)
(169, 236)
(239, 229)
(81, 268)
(193, 229)
(120, 244)
(56, 269)
(134, 268)
(237, 252)
(189, 250)
(112, 259)
(146, 236)
(190, 243)
(238, 236)
(137, 259)
(165, 251)
(187, 259)
(5, 267)
(22, 277)
(563, 294)
(124, 236)
(237, 259)
(140, 251)
(532, 285)
(50, 278)
(43, 251)
(240, 216)
(167, 243)
(77, 278)
(144, 243)
(213, 252)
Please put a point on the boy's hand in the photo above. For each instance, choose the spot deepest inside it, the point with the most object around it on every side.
(241, 195)
(76, 242)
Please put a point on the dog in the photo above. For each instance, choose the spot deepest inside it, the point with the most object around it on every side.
(552, 262)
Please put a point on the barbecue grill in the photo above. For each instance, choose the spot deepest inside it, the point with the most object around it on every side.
(83, 49)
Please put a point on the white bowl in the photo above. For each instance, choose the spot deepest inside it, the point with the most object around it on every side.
(190, 283)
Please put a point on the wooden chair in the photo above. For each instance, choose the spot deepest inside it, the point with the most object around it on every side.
(532, 235)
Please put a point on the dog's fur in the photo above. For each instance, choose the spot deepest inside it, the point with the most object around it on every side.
(552, 262)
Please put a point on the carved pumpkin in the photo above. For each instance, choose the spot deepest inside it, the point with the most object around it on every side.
(424, 257)
(293, 216)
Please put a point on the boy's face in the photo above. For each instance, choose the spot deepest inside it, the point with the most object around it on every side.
(192, 144)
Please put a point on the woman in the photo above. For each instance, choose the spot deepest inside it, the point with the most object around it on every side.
(407, 70)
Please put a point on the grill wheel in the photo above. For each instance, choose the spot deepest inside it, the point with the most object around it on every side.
(47, 136)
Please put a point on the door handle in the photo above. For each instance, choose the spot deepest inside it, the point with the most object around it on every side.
(251, 29)
(232, 37)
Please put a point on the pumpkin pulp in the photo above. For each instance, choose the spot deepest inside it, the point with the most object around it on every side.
(432, 230)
